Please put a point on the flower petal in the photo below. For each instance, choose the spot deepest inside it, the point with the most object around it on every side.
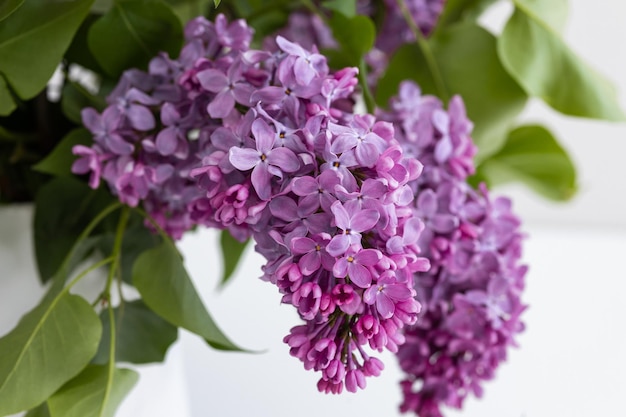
(243, 158)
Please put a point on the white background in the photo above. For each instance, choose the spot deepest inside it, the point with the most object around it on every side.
(571, 360)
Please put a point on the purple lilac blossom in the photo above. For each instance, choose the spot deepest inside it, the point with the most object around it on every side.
(262, 144)
(470, 297)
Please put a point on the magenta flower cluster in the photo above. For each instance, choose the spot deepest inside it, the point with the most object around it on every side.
(471, 295)
(265, 145)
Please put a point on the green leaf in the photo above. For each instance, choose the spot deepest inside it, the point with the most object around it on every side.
(63, 208)
(50, 345)
(166, 288)
(345, 7)
(93, 393)
(141, 335)
(459, 10)
(466, 56)
(59, 161)
(186, 10)
(75, 98)
(217, 3)
(41, 411)
(552, 13)
(536, 56)
(7, 104)
(9, 6)
(137, 239)
(232, 249)
(532, 155)
(34, 39)
(78, 51)
(355, 36)
(132, 33)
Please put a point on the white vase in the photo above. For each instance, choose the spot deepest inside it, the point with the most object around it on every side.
(161, 390)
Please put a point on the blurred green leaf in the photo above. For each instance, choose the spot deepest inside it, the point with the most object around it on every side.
(7, 104)
(78, 51)
(141, 335)
(189, 9)
(132, 33)
(552, 13)
(50, 345)
(59, 161)
(345, 7)
(355, 36)
(9, 6)
(533, 53)
(166, 288)
(93, 393)
(41, 411)
(101, 6)
(232, 249)
(466, 56)
(75, 97)
(63, 208)
(34, 39)
(458, 10)
(532, 155)
(137, 239)
(217, 3)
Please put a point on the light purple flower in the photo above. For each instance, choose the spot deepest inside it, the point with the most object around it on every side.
(358, 266)
(386, 293)
(265, 161)
(351, 224)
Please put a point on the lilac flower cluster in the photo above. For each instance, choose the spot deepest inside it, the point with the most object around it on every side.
(471, 295)
(154, 130)
(264, 144)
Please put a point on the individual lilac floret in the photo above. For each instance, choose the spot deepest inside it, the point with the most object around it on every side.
(470, 297)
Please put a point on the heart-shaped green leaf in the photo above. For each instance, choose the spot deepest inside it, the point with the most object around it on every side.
(165, 286)
(49, 346)
(59, 161)
(536, 56)
(355, 36)
(141, 335)
(96, 392)
(132, 32)
(533, 156)
(34, 39)
(63, 208)
(345, 7)
(458, 10)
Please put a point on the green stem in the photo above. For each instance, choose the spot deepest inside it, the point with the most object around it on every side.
(117, 246)
(370, 103)
(86, 232)
(426, 51)
(84, 273)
